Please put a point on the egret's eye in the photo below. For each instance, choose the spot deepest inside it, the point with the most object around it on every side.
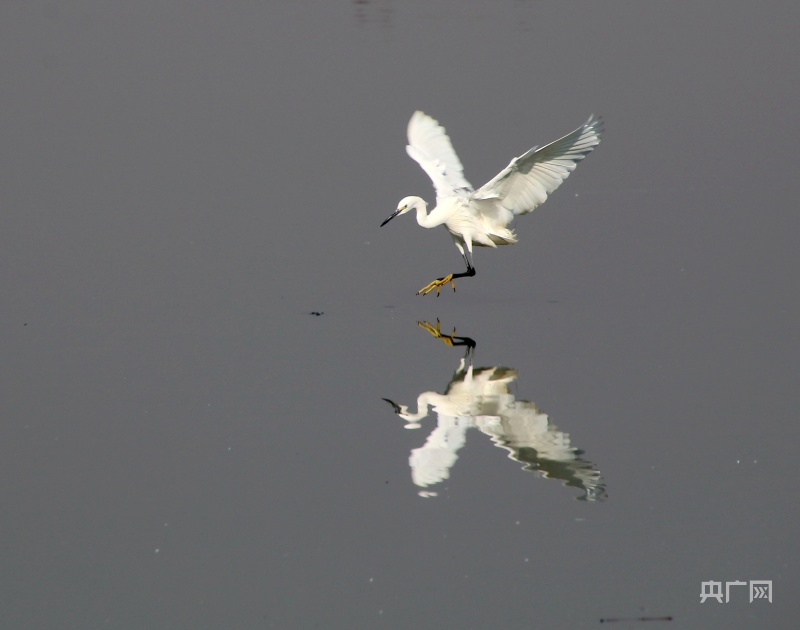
(404, 207)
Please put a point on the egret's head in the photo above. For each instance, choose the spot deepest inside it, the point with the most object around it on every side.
(402, 411)
(406, 204)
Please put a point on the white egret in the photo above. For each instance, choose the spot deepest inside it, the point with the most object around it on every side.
(481, 217)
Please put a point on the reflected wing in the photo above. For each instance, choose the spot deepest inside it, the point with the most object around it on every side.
(431, 463)
(527, 181)
(429, 145)
(530, 439)
(543, 448)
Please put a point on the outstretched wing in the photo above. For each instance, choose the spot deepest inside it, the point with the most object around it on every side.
(429, 145)
(527, 181)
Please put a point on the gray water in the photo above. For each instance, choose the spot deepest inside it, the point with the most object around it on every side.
(185, 445)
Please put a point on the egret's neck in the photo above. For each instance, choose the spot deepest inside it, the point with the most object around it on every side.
(424, 400)
(423, 218)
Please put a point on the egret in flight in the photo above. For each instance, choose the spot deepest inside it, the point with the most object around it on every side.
(481, 217)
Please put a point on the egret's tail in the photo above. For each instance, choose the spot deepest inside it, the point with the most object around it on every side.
(503, 237)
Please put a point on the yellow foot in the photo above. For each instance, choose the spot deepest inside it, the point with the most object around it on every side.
(437, 284)
(437, 332)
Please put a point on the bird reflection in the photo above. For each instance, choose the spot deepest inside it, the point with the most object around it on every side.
(480, 398)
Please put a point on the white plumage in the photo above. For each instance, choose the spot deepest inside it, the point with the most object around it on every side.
(481, 217)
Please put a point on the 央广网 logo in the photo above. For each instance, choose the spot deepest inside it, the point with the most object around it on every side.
(759, 589)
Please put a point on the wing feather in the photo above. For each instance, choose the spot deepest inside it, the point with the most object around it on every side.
(527, 181)
(429, 145)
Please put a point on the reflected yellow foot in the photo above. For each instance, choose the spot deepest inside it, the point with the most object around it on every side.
(436, 332)
(437, 284)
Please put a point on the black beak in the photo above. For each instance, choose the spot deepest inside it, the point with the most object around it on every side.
(391, 216)
(394, 405)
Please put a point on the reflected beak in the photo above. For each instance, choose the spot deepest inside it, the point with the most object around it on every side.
(391, 216)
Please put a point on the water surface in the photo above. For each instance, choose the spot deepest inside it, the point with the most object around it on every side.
(185, 445)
